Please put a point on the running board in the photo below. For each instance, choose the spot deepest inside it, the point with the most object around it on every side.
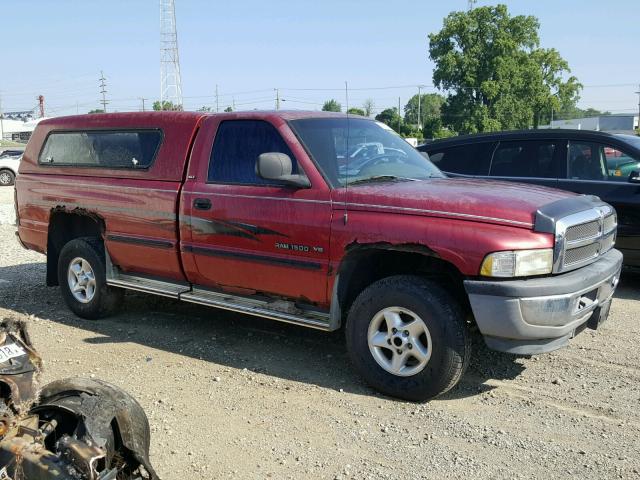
(279, 310)
(148, 285)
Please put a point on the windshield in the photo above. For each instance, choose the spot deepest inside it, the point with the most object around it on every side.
(356, 150)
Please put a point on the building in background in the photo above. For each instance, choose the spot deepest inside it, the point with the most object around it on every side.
(614, 123)
(17, 130)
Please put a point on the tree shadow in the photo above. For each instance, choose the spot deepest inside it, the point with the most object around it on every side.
(226, 338)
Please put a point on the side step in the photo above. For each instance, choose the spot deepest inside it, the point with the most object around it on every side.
(279, 310)
(148, 285)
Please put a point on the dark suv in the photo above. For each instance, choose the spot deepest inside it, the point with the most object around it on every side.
(581, 161)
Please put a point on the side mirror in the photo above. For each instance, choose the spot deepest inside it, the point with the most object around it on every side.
(634, 177)
(277, 166)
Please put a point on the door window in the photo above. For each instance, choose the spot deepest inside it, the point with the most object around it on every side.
(472, 159)
(619, 164)
(236, 148)
(525, 159)
(594, 161)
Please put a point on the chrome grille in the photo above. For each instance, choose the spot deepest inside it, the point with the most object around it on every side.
(584, 230)
(583, 237)
(580, 254)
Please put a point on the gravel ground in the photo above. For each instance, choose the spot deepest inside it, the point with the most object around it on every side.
(230, 396)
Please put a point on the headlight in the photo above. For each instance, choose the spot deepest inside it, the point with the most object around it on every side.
(519, 263)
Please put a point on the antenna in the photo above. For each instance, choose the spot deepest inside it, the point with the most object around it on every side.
(170, 80)
(346, 170)
(103, 91)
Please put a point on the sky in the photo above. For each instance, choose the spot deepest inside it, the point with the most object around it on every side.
(305, 49)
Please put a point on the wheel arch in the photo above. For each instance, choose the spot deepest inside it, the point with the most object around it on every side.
(66, 225)
(364, 264)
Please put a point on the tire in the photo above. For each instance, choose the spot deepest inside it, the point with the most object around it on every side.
(97, 300)
(7, 178)
(442, 347)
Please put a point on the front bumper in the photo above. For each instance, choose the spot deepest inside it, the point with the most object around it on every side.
(542, 314)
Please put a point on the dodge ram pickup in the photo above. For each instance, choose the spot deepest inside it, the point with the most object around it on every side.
(318, 219)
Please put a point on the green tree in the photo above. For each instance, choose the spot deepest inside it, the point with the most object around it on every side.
(228, 109)
(496, 75)
(430, 105)
(356, 111)
(203, 109)
(390, 117)
(96, 110)
(166, 105)
(368, 107)
(331, 106)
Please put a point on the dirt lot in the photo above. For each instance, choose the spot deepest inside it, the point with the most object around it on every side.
(230, 396)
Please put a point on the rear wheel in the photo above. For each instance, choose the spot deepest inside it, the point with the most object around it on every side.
(407, 337)
(82, 278)
(7, 178)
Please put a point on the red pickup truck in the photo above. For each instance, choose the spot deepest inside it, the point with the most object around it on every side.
(282, 215)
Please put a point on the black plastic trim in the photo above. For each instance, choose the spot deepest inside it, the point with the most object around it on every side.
(253, 257)
(140, 241)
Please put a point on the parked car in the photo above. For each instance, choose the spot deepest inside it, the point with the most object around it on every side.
(9, 169)
(11, 153)
(581, 161)
(249, 212)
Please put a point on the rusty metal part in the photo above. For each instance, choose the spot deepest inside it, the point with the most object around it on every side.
(75, 429)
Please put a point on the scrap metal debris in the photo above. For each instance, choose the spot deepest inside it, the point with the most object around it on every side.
(74, 429)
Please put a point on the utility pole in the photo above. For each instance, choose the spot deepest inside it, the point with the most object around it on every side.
(277, 98)
(638, 92)
(103, 91)
(399, 117)
(217, 104)
(471, 4)
(346, 96)
(419, 101)
(170, 78)
(233, 103)
(41, 105)
(142, 99)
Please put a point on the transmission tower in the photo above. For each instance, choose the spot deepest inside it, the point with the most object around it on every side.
(170, 82)
(103, 91)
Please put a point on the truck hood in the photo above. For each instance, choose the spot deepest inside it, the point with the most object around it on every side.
(489, 201)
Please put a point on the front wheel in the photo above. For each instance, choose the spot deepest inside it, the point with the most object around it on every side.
(82, 279)
(407, 337)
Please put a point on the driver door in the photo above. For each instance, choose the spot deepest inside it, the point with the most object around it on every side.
(248, 234)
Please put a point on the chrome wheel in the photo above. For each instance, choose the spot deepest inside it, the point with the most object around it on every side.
(5, 178)
(399, 341)
(82, 281)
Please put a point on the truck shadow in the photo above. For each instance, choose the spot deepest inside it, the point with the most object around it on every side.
(226, 338)
(629, 287)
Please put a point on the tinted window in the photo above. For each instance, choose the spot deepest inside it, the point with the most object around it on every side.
(472, 159)
(594, 161)
(109, 149)
(525, 159)
(236, 149)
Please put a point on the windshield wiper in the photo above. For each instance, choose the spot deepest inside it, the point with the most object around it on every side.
(383, 178)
